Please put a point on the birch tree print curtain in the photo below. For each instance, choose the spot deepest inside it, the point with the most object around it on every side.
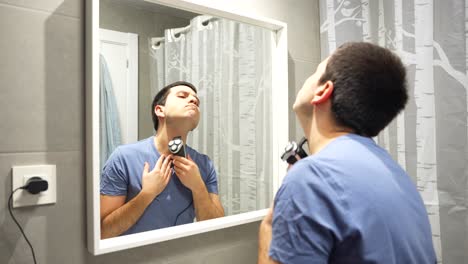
(428, 139)
(230, 64)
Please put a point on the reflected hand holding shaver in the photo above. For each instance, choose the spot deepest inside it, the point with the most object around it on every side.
(176, 147)
(294, 150)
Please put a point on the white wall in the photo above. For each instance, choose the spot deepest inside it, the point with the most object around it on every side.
(42, 113)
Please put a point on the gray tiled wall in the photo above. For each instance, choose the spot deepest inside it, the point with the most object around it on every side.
(42, 122)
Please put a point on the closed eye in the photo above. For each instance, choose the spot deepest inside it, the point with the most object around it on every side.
(182, 95)
(186, 94)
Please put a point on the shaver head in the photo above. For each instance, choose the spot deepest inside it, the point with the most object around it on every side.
(293, 149)
(289, 154)
(176, 147)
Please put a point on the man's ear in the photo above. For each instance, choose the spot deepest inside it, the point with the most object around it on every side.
(159, 110)
(323, 93)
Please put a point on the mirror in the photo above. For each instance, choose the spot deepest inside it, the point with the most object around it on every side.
(237, 62)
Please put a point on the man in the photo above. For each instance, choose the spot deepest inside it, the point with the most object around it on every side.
(348, 201)
(140, 190)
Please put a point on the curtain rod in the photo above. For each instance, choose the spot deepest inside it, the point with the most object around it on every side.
(155, 42)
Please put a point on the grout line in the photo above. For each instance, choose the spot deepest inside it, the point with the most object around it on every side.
(24, 8)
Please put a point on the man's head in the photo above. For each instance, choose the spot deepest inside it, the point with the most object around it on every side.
(176, 102)
(365, 85)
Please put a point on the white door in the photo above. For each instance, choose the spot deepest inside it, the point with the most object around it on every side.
(120, 51)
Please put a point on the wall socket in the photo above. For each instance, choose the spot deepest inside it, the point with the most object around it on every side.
(21, 175)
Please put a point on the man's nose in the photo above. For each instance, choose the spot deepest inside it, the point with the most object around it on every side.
(193, 100)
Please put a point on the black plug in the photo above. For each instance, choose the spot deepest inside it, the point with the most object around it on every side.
(36, 185)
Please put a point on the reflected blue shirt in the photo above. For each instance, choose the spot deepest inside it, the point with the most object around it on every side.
(122, 173)
(350, 203)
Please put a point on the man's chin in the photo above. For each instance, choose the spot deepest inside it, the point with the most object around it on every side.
(192, 124)
(299, 108)
(186, 122)
(193, 127)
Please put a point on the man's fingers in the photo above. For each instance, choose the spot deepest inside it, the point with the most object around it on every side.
(178, 171)
(167, 162)
(167, 168)
(168, 171)
(178, 165)
(146, 168)
(181, 160)
(159, 162)
(167, 176)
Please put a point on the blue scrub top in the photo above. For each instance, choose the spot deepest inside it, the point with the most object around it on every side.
(122, 173)
(350, 203)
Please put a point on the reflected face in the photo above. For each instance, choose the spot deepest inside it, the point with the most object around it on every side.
(306, 94)
(182, 103)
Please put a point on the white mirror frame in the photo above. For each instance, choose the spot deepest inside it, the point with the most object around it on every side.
(279, 138)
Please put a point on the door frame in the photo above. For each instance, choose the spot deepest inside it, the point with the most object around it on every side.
(130, 40)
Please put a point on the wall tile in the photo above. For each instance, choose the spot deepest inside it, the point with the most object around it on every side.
(71, 8)
(42, 81)
(206, 248)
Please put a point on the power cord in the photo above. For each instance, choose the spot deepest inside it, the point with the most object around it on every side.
(34, 185)
(185, 209)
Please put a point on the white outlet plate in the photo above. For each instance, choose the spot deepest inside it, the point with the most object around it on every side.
(21, 174)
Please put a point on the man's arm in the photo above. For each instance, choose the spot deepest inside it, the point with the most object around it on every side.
(207, 205)
(118, 216)
(264, 239)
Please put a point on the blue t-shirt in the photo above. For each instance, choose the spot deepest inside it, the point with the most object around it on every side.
(122, 173)
(350, 203)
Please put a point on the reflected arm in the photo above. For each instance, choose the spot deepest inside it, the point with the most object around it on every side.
(118, 216)
(207, 205)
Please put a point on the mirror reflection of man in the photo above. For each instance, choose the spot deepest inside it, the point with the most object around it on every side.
(349, 201)
(140, 188)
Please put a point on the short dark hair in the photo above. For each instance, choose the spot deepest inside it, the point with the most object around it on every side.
(369, 87)
(161, 96)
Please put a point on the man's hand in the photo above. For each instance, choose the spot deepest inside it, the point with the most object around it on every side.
(298, 158)
(155, 181)
(264, 239)
(189, 174)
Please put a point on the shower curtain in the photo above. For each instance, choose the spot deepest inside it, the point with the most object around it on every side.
(230, 64)
(429, 139)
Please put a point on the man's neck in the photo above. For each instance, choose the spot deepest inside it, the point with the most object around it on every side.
(320, 131)
(319, 138)
(164, 135)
